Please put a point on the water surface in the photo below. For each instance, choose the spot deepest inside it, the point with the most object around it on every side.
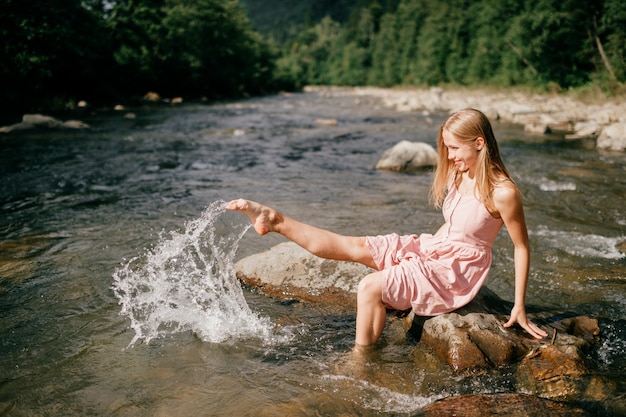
(77, 207)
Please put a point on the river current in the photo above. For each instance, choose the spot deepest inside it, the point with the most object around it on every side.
(117, 290)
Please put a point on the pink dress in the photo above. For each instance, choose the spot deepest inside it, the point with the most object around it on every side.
(435, 274)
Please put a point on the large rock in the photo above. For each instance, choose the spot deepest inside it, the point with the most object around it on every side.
(552, 371)
(510, 405)
(288, 271)
(473, 336)
(40, 121)
(613, 137)
(582, 130)
(408, 156)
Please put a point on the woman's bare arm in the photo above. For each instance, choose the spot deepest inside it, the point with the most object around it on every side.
(508, 202)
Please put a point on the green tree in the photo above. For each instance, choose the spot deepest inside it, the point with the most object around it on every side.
(187, 47)
(434, 44)
(550, 40)
(609, 35)
(51, 47)
(487, 44)
(309, 54)
(350, 60)
(410, 18)
(385, 71)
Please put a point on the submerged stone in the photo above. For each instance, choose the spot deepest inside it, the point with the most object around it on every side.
(511, 405)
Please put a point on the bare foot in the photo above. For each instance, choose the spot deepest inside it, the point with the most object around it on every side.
(264, 219)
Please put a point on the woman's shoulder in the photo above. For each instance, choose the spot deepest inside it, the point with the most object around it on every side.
(505, 193)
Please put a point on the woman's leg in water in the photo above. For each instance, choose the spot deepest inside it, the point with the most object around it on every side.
(371, 312)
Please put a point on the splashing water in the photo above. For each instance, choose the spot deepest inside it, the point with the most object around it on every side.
(187, 283)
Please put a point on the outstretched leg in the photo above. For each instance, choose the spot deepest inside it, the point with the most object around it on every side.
(319, 242)
(371, 312)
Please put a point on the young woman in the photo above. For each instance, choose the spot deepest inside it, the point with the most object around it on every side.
(432, 274)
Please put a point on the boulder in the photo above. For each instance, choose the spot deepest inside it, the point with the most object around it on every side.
(152, 97)
(613, 137)
(16, 128)
(537, 128)
(586, 129)
(473, 337)
(39, 121)
(511, 405)
(289, 272)
(474, 341)
(552, 371)
(408, 156)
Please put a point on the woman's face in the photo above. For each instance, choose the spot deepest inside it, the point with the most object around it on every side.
(463, 154)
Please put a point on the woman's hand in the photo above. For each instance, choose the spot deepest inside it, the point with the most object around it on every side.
(518, 315)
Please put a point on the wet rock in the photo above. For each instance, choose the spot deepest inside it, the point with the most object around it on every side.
(512, 405)
(582, 130)
(408, 156)
(326, 122)
(289, 272)
(537, 128)
(472, 341)
(473, 337)
(152, 96)
(16, 128)
(16, 264)
(75, 124)
(39, 121)
(555, 372)
(613, 137)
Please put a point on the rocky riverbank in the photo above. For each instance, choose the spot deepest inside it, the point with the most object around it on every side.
(604, 122)
(558, 114)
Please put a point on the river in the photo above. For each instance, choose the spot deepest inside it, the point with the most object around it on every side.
(77, 206)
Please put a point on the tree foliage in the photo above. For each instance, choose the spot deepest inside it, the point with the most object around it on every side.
(103, 49)
(181, 47)
(107, 49)
(47, 48)
(540, 43)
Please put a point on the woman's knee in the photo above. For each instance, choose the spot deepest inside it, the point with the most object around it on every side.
(371, 287)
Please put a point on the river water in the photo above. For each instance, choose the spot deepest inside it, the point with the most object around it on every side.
(98, 317)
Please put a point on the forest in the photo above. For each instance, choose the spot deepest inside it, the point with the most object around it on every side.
(57, 52)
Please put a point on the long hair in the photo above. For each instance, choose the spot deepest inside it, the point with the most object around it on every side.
(467, 125)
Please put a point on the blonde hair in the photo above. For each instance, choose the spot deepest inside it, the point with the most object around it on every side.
(467, 125)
